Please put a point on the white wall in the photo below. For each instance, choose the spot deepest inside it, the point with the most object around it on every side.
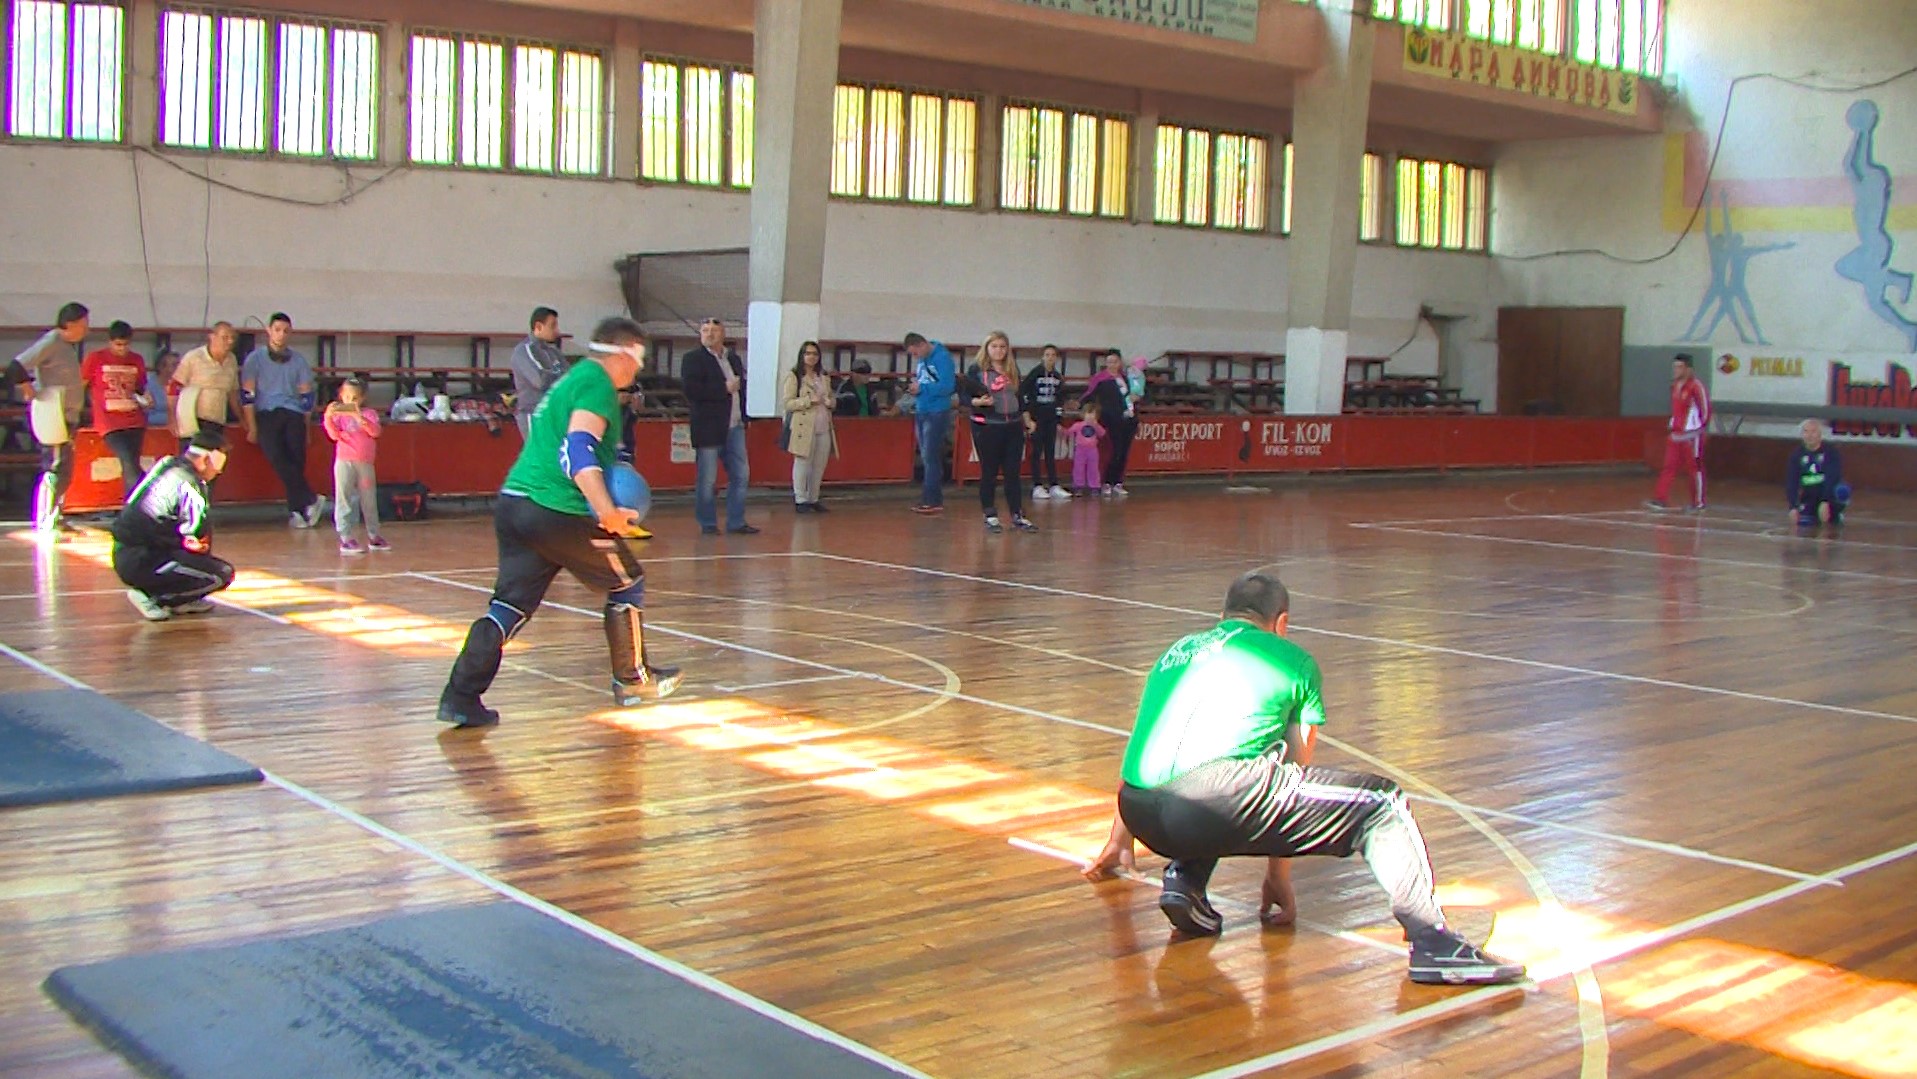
(459, 251)
(1782, 162)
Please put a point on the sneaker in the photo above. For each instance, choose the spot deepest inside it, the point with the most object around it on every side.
(297, 520)
(926, 510)
(1119, 490)
(660, 682)
(819, 507)
(708, 530)
(349, 545)
(744, 530)
(1444, 958)
(149, 609)
(1106, 490)
(1020, 522)
(464, 713)
(1695, 507)
(1657, 505)
(638, 531)
(802, 507)
(1042, 493)
(315, 511)
(198, 606)
(992, 524)
(377, 543)
(1186, 907)
(1060, 492)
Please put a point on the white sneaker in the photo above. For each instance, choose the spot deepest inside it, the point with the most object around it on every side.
(198, 606)
(1106, 490)
(1060, 492)
(149, 610)
(297, 520)
(1119, 490)
(1042, 493)
(315, 511)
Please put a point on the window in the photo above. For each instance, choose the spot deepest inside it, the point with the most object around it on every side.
(695, 124)
(253, 84)
(489, 103)
(891, 144)
(1210, 178)
(1430, 14)
(1441, 204)
(1055, 161)
(1528, 24)
(68, 65)
(1627, 35)
(1370, 196)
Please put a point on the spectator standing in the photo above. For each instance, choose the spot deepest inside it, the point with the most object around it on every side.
(1108, 389)
(537, 363)
(210, 377)
(999, 427)
(1086, 435)
(160, 412)
(276, 395)
(933, 384)
(806, 395)
(53, 365)
(116, 384)
(714, 378)
(862, 395)
(354, 429)
(1041, 392)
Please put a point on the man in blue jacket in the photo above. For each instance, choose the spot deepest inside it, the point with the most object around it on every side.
(934, 380)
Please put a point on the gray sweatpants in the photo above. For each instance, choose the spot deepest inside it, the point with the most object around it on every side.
(355, 495)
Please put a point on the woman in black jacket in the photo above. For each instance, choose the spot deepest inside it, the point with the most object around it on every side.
(999, 426)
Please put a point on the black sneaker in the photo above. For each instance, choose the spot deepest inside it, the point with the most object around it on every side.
(659, 683)
(1020, 522)
(1444, 958)
(991, 523)
(1187, 909)
(465, 713)
(744, 530)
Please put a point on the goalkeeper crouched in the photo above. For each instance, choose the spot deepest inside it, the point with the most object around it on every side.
(162, 540)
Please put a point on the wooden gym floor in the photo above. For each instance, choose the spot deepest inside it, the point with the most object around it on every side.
(1665, 760)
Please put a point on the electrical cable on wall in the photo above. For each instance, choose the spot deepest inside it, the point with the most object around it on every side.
(1710, 169)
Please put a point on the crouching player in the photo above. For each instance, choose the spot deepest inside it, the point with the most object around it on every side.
(162, 541)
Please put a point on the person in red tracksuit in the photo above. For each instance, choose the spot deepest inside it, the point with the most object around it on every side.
(1690, 415)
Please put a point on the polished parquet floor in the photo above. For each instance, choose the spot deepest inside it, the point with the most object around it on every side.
(1667, 761)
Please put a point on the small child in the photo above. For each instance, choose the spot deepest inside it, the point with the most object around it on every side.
(354, 427)
(1085, 436)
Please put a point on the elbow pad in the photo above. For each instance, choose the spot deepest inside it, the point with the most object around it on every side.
(246, 396)
(579, 452)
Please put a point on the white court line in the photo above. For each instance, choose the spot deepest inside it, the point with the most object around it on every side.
(1667, 848)
(336, 579)
(1436, 649)
(1875, 578)
(559, 914)
(1694, 526)
(723, 688)
(1487, 517)
(1609, 954)
(1243, 909)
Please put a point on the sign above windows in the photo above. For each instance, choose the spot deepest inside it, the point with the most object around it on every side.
(1234, 20)
(1504, 67)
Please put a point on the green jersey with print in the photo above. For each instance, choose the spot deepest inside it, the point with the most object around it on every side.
(1229, 692)
(540, 473)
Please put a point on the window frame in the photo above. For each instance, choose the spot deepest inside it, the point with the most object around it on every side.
(509, 46)
(1101, 154)
(904, 145)
(9, 72)
(731, 163)
(1274, 166)
(1473, 184)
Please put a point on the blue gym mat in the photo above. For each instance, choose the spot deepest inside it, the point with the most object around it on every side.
(473, 992)
(68, 745)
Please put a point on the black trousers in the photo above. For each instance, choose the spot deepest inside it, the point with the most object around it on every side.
(1264, 806)
(1122, 429)
(999, 445)
(125, 444)
(1045, 452)
(535, 544)
(171, 577)
(283, 440)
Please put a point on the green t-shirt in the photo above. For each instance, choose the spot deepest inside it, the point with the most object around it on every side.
(1229, 692)
(538, 474)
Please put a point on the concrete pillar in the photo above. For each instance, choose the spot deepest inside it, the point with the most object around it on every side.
(394, 42)
(143, 73)
(991, 117)
(795, 64)
(1329, 117)
(1144, 177)
(622, 85)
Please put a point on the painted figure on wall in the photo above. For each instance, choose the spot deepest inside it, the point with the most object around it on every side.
(1869, 263)
(1729, 293)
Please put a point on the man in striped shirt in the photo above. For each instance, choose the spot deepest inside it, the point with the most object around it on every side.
(162, 540)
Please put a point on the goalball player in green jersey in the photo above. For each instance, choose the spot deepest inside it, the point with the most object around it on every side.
(1218, 766)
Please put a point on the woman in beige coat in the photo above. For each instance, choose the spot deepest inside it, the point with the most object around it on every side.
(806, 396)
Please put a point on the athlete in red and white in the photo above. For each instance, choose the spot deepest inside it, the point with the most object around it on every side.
(1684, 452)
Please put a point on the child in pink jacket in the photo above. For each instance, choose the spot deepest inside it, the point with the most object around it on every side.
(354, 429)
(1085, 436)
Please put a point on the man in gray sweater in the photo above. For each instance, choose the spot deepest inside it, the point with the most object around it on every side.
(537, 363)
(53, 365)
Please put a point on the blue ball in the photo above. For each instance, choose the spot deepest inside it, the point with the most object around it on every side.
(629, 489)
(1842, 493)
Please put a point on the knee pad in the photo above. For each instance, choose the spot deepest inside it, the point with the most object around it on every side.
(633, 595)
(507, 617)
